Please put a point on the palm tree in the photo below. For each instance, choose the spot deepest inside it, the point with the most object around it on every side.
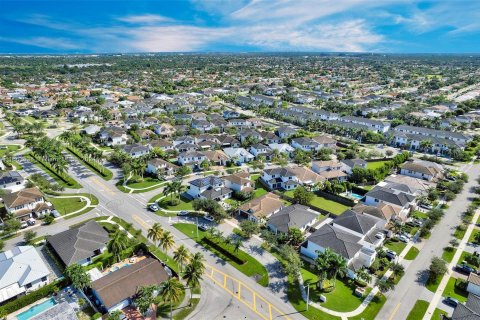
(385, 285)
(172, 291)
(117, 243)
(363, 275)
(193, 273)
(166, 241)
(237, 244)
(169, 190)
(181, 256)
(155, 232)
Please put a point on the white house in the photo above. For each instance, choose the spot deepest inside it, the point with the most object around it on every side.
(425, 170)
(191, 158)
(22, 271)
(305, 144)
(210, 187)
(26, 203)
(12, 181)
(239, 155)
(160, 166)
(473, 285)
(239, 181)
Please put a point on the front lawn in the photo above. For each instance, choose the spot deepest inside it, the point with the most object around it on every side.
(146, 183)
(259, 189)
(459, 232)
(433, 285)
(448, 254)
(412, 254)
(251, 267)
(472, 236)
(340, 299)
(419, 215)
(184, 204)
(323, 203)
(418, 310)
(451, 290)
(395, 246)
(372, 309)
(438, 314)
(67, 205)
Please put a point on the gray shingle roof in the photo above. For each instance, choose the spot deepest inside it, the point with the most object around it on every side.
(79, 243)
(468, 311)
(294, 216)
(341, 242)
(356, 222)
(391, 196)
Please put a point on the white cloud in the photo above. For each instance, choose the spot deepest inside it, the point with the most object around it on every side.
(57, 44)
(145, 19)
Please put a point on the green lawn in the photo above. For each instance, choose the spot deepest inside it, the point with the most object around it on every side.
(65, 180)
(433, 285)
(375, 164)
(259, 189)
(146, 183)
(372, 309)
(437, 314)
(9, 148)
(418, 214)
(341, 299)
(251, 268)
(418, 310)
(472, 236)
(412, 253)
(325, 204)
(396, 246)
(453, 291)
(459, 234)
(67, 205)
(184, 204)
(448, 254)
(463, 258)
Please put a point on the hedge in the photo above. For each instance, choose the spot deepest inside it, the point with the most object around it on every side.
(32, 297)
(223, 250)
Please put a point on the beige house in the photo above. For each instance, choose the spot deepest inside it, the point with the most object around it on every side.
(27, 203)
(262, 208)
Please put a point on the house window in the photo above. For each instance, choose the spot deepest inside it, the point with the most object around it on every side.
(28, 285)
(44, 279)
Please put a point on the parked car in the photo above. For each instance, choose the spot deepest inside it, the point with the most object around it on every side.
(31, 222)
(402, 238)
(209, 218)
(464, 268)
(24, 225)
(183, 213)
(55, 213)
(153, 207)
(391, 255)
(415, 222)
(450, 301)
(203, 227)
(427, 206)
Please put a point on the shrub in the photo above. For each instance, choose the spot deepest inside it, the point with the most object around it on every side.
(97, 315)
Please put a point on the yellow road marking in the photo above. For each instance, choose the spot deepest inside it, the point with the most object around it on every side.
(270, 311)
(394, 311)
(140, 221)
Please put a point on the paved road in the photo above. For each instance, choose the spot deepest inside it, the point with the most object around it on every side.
(132, 208)
(412, 285)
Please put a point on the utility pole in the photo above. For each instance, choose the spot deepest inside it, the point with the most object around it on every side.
(308, 295)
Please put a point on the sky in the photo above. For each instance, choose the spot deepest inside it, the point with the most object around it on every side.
(112, 26)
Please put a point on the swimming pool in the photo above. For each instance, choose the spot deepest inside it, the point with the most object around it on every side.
(36, 309)
(356, 196)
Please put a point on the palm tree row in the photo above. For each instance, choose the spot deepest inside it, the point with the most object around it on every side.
(174, 188)
(49, 150)
(83, 145)
(329, 265)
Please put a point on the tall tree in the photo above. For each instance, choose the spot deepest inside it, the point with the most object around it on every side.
(78, 276)
(155, 232)
(166, 241)
(117, 243)
(172, 291)
(181, 256)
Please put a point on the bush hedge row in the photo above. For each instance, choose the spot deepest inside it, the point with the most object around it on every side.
(103, 172)
(223, 249)
(65, 178)
(31, 297)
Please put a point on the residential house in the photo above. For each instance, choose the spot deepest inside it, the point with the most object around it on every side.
(294, 216)
(285, 132)
(202, 125)
(22, 271)
(373, 125)
(386, 195)
(385, 211)
(136, 150)
(238, 155)
(116, 290)
(469, 310)
(162, 144)
(210, 187)
(279, 178)
(261, 150)
(349, 164)
(425, 170)
(473, 284)
(91, 130)
(113, 136)
(331, 170)
(458, 137)
(270, 137)
(26, 204)
(239, 182)
(79, 245)
(12, 181)
(191, 158)
(305, 144)
(162, 167)
(217, 157)
(283, 148)
(228, 141)
(353, 236)
(164, 130)
(306, 176)
(325, 142)
(261, 208)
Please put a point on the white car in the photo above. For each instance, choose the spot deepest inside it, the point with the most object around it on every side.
(209, 218)
(402, 238)
(183, 213)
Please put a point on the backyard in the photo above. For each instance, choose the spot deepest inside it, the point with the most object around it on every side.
(375, 164)
(331, 206)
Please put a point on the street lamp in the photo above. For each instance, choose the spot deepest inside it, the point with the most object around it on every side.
(308, 294)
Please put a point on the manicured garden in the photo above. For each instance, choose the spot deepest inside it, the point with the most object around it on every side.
(331, 206)
(183, 204)
(340, 299)
(238, 259)
(94, 166)
(67, 205)
(62, 179)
